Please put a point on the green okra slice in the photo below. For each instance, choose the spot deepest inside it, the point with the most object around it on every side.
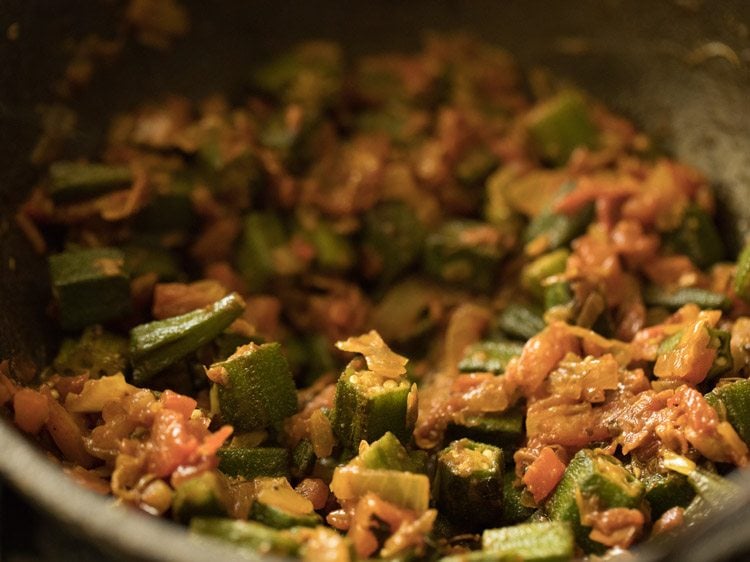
(278, 518)
(72, 181)
(732, 401)
(654, 295)
(550, 541)
(90, 286)
(505, 429)
(592, 474)
(559, 125)
(558, 294)
(333, 251)
(392, 239)
(254, 388)
(405, 489)
(550, 230)
(697, 237)
(205, 495)
(469, 483)
(253, 462)
(664, 491)
(489, 356)
(260, 255)
(302, 458)
(514, 509)
(366, 407)
(521, 321)
(546, 265)
(387, 453)
(157, 345)
(466, 253)
(742, 274)
(248, 535)
(97, 352)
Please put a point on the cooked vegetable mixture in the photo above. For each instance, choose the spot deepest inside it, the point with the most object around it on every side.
(404, 307)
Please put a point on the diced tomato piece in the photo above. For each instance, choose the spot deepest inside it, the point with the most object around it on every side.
(543, 474)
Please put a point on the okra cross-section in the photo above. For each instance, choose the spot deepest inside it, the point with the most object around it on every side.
(592, 476)
(470, 483)
(253, 462)
(90, 286)
(159, 344)
(732, 401)
(205, 495)
(71, 181)
(544, 541)
(254, 387)
(367, 406)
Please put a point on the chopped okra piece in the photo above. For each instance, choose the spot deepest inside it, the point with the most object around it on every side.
(550, 230)
(387, 453)
(205, 495)
(157, 345)
(254, 388)
(71, 181)
(546, 265)
(279, 506)
(392, 240)
(521, 321)
(550, 541)
(333, 251)
(97, 352)
(503, 429)
(732, 401)
(558, 294)
(592, 475)
(303, 458)
(253, 462)
(279, 518)
(514, 508)
(559, 125)
(90, 286)
(665, 491)
(654, 295)
(489, 356)
(697, 237)
(742, 274)
(465, 252)
(405, 489)
(249, 535)
(366, 407)
(260, 255)
(469, 483)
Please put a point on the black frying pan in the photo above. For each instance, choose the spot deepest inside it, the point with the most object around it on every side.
(680, 69)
